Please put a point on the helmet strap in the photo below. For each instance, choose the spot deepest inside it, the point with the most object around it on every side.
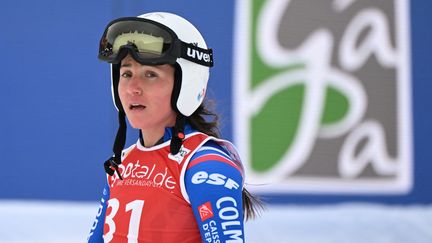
(176, 88)
(178, 129)
(113, 163)
(178, 134)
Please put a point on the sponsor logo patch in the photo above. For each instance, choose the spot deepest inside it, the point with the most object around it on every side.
(205, 211)
(180, 155)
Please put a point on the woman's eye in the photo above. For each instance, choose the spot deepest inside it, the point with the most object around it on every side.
(150, 74)
(126, 75)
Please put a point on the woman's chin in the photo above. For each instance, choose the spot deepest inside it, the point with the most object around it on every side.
(137, 124)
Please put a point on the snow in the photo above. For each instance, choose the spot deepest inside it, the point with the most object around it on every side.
(70, 222)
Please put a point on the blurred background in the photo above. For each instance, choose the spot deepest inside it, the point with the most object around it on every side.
(327, 101)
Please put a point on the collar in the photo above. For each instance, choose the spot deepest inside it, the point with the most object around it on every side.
(167, 134)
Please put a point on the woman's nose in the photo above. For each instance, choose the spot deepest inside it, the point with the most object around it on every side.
(134, 87)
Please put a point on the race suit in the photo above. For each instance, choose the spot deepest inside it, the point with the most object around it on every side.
(193, 196)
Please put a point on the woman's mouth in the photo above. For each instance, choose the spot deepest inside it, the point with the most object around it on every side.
(136, 107)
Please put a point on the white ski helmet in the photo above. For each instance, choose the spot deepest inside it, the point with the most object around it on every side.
(186, 47)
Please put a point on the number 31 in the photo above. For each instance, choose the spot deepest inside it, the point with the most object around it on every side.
(136, 207)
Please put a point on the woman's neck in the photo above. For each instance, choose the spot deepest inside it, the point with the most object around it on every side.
(152, 137)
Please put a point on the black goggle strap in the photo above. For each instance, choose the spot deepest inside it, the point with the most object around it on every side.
(113, 163)
(196, 54)
(177, 134)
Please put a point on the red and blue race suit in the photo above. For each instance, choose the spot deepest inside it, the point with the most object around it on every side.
(194, 196)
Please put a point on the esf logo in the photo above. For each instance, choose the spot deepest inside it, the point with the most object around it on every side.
(214, 179)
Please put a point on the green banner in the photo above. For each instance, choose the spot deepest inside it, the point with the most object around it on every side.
(322, 95)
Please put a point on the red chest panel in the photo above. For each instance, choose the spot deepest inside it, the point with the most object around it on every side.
(148, 205)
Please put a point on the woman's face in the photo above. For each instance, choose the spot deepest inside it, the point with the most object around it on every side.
(145, 94)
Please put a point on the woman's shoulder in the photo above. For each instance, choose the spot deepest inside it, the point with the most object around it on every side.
(211, 147)
(213, 152)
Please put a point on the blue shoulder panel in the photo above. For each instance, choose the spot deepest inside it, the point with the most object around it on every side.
(214, 186)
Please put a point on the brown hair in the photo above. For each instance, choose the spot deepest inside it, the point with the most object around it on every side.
(207, 122)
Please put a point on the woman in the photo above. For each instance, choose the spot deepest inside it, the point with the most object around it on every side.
(179, 182)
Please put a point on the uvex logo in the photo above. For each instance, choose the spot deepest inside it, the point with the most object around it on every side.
(196, 54)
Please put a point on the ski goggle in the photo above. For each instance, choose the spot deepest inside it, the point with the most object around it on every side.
(149, 42)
